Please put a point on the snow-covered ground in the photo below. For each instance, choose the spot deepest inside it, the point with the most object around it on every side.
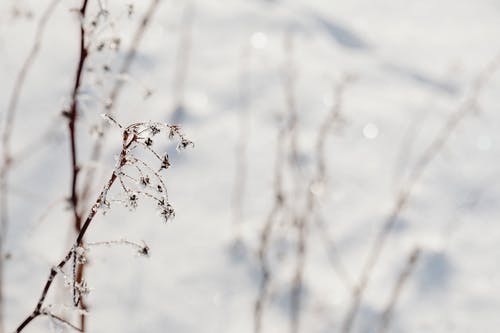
(413, 65)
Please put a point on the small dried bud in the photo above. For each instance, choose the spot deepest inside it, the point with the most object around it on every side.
(165, 163)
(154, 129)
(79, 253)
(168, 212)
(148, 93)
(83, 288)
(159, 188)
(144, 251)
(133, 200)
(66, 114)
(185, 143)
(130, 10)
(171, 133)
(148, 142)
(145, 181)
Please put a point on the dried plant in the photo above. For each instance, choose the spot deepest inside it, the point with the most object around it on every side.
(138, 179)
(469, 106)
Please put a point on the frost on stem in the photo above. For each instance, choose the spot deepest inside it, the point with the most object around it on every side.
(136, 178)
(139, 177)
(141, 249)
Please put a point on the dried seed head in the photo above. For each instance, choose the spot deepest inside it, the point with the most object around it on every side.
(167, 212)
(185, 143)
(145, 181)
(165, 163)
(154, 129)
(144, 251)
(133, 201)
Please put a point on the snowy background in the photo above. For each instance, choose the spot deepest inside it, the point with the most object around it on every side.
(412, 66)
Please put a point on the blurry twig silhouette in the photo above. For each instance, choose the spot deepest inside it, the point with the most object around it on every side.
(182, 63)
(311, 197)
(398, 289)
(243, 139)
(469, 106)
(7, 157)
(278, 206)
(286, 156)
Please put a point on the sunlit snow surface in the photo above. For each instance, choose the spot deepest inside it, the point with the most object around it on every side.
(413, 63)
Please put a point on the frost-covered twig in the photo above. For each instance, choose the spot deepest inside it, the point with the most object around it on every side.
(72, 115)
(129, 143)
(142, 249)
(60, 320)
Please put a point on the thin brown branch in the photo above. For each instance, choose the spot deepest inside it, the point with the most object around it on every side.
(72, 115)
(468, 107)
